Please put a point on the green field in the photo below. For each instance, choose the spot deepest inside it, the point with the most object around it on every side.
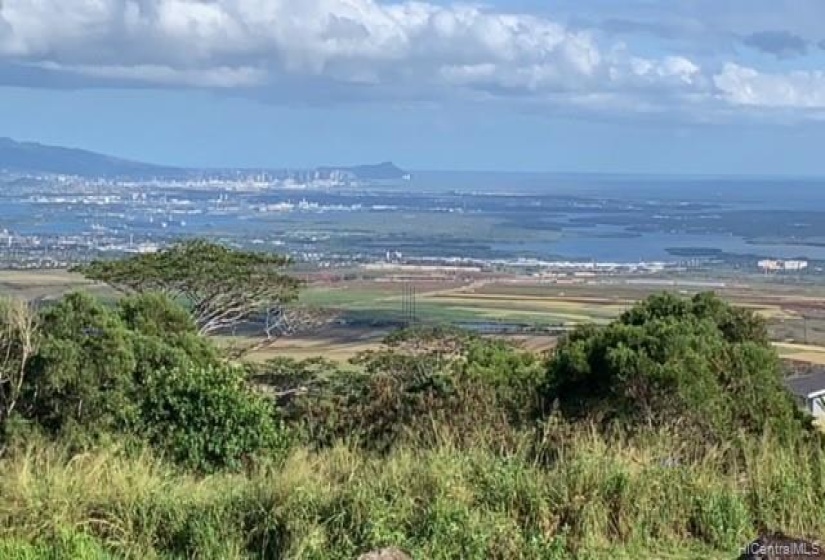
(793, 311)
(47, 284)
(444, 306)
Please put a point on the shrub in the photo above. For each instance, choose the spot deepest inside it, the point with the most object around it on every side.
(155, 314)
(698, 362)
(420, 383)
(81, 378)
(207, 418)
(87, 376)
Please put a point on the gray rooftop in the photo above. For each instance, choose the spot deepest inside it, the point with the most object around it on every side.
(804, 385)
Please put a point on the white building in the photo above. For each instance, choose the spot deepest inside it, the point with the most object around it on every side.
(795, 265)
(771, 265)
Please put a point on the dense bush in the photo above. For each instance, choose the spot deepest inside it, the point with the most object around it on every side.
(208, 418)
(375, 411)
(139, 370)
(154, 314)
(511, 375)
(442, 452)
(421, 384)
(81, 380)
(697, 363)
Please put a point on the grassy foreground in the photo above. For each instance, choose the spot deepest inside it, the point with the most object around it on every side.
(596, 498)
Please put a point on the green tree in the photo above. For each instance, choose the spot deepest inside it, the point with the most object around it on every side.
(155, 314)
(423, 383)
(163, 335)
(82, 375)
(139, 370)
(93, 361)
(697, 362)
(224, 288)
(208, 418)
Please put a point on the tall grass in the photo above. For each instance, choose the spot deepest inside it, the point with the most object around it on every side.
(617, 497)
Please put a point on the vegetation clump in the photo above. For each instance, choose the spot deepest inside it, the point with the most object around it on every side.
(223, 288)
(696, 364)
(139, 371)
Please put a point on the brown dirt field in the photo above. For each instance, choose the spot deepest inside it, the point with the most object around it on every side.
(817, 358)
(391, 286)
(45, 283)
(40, 277)
(573, 300)
(301, 350)
(802, 352)
(534, 343)
(337, 344)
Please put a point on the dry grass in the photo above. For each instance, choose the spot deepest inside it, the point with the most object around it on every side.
(301, 349)
(801, 352)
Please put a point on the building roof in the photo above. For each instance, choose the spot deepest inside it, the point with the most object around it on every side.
(805, 385)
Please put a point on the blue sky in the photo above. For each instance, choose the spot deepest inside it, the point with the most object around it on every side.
(691, 86)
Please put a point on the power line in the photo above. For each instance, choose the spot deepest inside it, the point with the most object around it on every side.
(408, 304)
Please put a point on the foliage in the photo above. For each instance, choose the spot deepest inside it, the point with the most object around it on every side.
(19, 340)
(155, 314)
(443, 340)
(375, 411)
(428, 444)
(207, 418)
(68, 544)
(694, 362)
(163, 335)
(421, 377)
(82, 377)
(139, 370)
(225, 288)
(511, 374)
(610, 497)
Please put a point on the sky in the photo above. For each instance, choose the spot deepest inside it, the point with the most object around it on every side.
(604, 86)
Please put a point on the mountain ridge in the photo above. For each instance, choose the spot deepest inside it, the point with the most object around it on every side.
(34, 157)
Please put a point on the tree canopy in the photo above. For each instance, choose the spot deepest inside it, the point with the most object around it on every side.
(223, 287)
(137, 371)
(697, 362)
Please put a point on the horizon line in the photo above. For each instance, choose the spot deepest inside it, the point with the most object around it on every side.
(413, 170)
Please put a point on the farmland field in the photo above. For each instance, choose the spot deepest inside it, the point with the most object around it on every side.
(370, 306)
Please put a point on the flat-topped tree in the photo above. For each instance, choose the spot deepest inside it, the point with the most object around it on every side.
(224, 288)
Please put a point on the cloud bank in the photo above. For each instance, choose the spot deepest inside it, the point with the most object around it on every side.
(366, 49)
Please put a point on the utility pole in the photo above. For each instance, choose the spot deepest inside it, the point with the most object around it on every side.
(805, 325)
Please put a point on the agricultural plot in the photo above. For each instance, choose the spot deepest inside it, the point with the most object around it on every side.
(801, 352)
(795, 314)
(45, 283)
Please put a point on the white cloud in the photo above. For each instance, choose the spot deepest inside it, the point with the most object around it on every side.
(221, 77)
(416, 47)
(345, 40)
(741, 85)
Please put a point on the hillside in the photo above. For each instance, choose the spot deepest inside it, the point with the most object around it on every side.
(385, 171)
(127, 432)
(31, 157)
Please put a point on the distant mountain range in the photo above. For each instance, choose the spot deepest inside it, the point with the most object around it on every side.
(30, 157)
(34, 158)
